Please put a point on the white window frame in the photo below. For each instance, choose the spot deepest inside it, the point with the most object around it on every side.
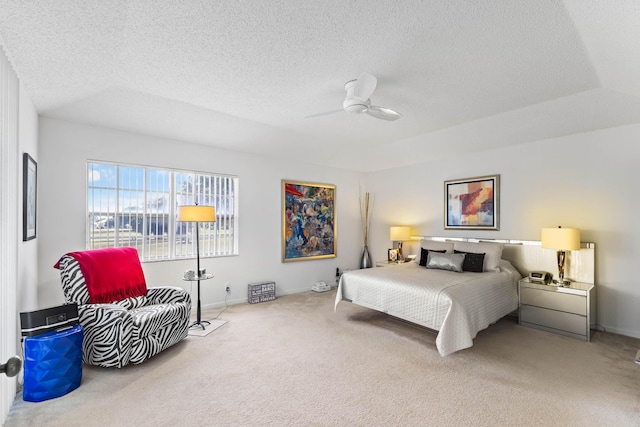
(158, 205)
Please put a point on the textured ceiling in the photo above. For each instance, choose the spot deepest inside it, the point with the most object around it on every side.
(242, 75)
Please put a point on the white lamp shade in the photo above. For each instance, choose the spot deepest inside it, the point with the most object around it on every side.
(562, 239)
(399, 234)
(196, 213)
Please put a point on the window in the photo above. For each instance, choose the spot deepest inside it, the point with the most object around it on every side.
(136, 206)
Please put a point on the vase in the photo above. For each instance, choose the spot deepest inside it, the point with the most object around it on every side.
(365, 261)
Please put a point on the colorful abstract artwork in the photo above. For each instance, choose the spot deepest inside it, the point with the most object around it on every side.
(308, 221)
(472, 203)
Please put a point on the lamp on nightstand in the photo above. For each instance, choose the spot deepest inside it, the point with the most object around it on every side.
(400, 234)
(562, 240)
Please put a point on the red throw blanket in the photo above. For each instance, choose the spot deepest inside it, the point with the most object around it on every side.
(111, 274)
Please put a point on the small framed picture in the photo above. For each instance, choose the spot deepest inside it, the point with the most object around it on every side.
(393, 255)
(29, 200)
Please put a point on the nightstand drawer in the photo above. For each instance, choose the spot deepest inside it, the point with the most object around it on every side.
(554, 300)
(554, 319)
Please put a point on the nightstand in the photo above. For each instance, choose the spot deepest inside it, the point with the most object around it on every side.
(387, 263)
(569, 310)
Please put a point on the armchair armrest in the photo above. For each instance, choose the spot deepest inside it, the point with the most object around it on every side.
(168, 295)
(107, 334)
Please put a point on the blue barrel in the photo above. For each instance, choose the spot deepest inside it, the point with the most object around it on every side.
(52, 364)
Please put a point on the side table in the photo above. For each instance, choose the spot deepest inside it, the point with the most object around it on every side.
(388, 263)
(568, 310)
(199, 322)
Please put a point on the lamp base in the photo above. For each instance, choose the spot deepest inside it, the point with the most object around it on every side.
(199, 323)
(561, 283)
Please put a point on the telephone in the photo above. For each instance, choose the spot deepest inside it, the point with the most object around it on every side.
(540, 277)
(320, 287)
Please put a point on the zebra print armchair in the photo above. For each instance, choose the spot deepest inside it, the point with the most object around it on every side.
(126, 330)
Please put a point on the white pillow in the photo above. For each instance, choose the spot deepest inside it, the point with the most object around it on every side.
(435, 245)
(492, 251)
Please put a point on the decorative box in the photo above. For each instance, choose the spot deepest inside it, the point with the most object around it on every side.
(261, 292)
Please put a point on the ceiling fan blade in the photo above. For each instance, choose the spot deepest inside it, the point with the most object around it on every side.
(326, 113)
(383, 113)
(365, 85)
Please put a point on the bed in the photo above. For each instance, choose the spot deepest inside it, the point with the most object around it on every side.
(458, 304)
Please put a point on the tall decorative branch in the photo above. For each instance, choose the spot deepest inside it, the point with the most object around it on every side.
(366, 212)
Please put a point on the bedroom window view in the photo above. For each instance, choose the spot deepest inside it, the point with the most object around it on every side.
(136, 206)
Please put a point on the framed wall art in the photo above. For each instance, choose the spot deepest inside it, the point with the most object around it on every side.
(472, 203)
(29, 197)
(308, 221)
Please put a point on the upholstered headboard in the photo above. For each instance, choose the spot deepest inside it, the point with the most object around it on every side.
(527, 255)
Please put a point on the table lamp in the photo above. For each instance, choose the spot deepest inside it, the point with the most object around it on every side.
(399, 234)
(562, 240)
(197, 214)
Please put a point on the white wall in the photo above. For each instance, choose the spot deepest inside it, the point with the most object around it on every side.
(582, 181)
(65, 148)
(27, 286)
(587, 181)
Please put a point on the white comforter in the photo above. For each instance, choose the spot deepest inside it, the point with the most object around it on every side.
(458, 305)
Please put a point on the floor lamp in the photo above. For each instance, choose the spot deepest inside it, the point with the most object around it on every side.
(197, 214)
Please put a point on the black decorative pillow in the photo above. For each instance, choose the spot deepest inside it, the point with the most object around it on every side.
(472, 262)
(492, 252)
(424, 253)
(451, 262)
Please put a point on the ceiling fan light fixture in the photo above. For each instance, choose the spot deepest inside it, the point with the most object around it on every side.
(355, 105)
(357, 101)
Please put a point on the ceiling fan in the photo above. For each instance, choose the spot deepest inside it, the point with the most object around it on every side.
(357, 100)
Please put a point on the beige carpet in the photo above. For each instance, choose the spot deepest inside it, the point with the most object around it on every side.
(293, 361)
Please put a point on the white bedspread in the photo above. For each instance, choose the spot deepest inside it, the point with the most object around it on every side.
(458, 305)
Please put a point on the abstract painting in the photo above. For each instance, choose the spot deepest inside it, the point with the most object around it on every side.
(472, 203)
(308, 221)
